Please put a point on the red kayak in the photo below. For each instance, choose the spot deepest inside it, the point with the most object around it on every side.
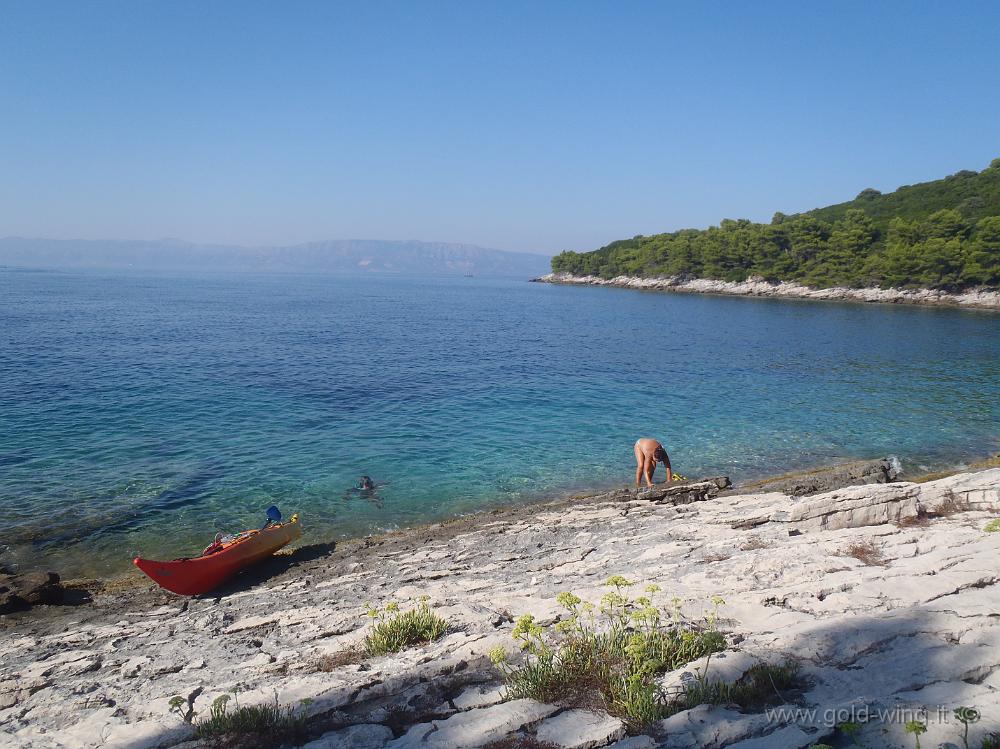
(219, 562)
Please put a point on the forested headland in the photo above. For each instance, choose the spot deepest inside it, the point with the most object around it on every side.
(943, 234)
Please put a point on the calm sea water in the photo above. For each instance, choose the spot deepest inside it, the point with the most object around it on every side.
(141, 413)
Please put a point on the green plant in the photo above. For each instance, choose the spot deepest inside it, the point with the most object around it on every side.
(966, 716)
(851, 730)
(183, 707)
(992, 741)
(993, 526)
(916, 727)
(520, 742)
(762, 685)
(269, 724)
(393, 630)
(607, 655)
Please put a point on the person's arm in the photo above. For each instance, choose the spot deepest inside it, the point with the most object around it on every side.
(666, 464)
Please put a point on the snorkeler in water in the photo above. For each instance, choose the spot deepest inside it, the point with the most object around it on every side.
(366, 488)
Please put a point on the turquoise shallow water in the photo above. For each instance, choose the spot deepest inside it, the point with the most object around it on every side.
(141, 413)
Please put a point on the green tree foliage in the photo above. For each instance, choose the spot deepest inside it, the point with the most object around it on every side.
(943, 234)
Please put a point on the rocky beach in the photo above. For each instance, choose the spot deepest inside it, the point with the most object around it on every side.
(758, 287)
(884, 595)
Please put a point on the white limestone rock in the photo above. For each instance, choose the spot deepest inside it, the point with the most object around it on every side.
(580, 729)
(365, 736)
(708, 727)
(479, 695)
(476, 727)
(788, 737)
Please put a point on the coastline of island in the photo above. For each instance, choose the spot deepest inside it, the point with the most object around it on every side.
(758, 287)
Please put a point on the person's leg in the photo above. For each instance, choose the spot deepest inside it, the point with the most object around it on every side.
(639, 463)
(650, 469)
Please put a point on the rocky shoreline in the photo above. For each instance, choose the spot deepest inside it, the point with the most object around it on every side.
(758, 287)
(912, 623)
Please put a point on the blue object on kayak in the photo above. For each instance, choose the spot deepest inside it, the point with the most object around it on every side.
(274, 514)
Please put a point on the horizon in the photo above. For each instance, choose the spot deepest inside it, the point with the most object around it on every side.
(238, 246)
(522, 128)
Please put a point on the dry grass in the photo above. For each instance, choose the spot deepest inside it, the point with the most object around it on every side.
(762, 685)
(753, 543)
(715, 558)
(865, 551)
(520, 742)
(339, 659)
(947, 508)
(914, 521)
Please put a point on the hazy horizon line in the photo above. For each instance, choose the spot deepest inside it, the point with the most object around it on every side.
(235, 245)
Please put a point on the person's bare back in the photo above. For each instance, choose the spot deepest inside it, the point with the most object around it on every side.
(648, 452)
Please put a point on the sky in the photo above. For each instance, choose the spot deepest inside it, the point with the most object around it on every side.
(530, 126)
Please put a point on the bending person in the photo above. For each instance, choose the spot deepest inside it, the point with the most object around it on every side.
(649, 452)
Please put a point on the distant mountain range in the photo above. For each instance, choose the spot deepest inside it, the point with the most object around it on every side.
(337, 256)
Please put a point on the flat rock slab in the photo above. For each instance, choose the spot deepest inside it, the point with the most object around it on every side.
(580, 729)
(366, 736)
(475, 727)
(479, 695)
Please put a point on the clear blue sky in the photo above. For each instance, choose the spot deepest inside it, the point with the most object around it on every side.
(529, 126)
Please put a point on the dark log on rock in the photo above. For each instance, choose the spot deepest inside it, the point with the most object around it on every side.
(674, 493)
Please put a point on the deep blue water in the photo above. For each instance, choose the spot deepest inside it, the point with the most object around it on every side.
(144, 412)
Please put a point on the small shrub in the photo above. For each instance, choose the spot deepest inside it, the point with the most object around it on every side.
(607, 656)
(520, 742)
(967, 716)
(992, 741)
(851, 730)
(914, 521)
(184, 707)
(993, 526)
(761, 686)
(393, 630)
(916, 727)
(753, 543)
(271, 725)
(865, 551)
(715, 558)
(333, 661)
(947, 508)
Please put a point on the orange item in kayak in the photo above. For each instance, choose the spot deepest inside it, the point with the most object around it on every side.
(189, 577)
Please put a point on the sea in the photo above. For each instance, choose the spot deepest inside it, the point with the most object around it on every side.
(140, 413)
